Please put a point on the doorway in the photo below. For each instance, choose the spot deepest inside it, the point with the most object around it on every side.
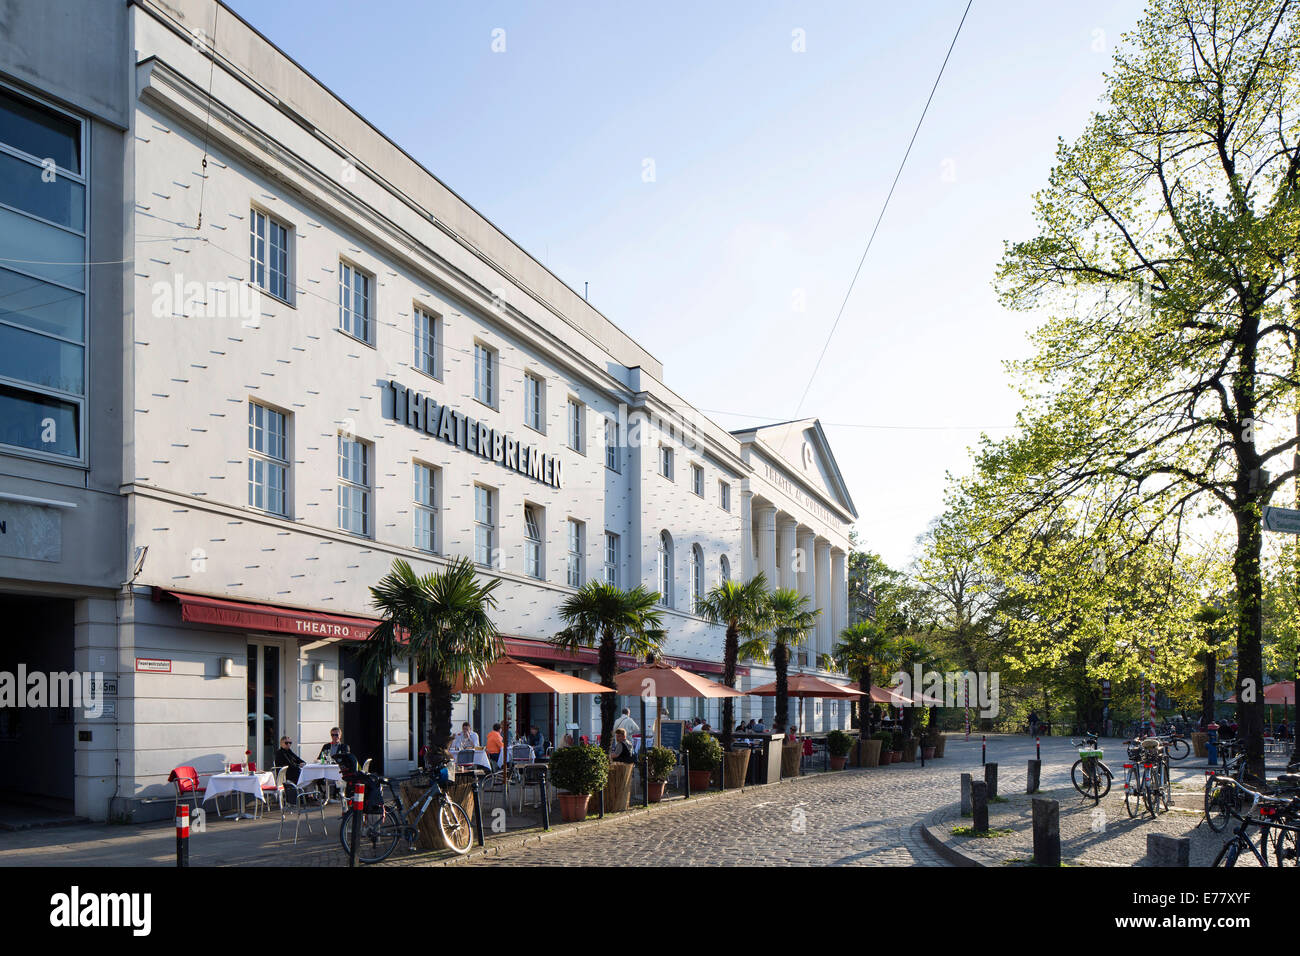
(361, 713)
(265, 701)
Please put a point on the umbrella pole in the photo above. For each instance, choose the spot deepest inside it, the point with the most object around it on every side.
(645, 759)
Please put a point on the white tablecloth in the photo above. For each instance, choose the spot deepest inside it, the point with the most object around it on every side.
(250, 783)
(319, 771)
(480, 758)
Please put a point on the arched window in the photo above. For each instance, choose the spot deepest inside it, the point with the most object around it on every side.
(697, 576)
(665, 569)
(726, 568)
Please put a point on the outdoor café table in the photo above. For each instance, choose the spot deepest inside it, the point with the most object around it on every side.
(480, 759)
(250, 783)
(319, 771)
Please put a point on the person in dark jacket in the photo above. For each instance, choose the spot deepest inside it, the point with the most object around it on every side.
(621, 751)
(285, 757)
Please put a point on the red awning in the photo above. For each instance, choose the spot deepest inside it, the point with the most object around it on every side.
(199, 609)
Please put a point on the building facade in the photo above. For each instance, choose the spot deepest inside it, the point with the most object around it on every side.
(308, 359)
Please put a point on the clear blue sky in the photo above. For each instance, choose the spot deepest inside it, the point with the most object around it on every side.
(770, 168)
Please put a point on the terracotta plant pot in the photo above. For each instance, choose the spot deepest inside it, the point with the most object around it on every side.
(896, 756)
(869, 753)
(700, 780)
(927, 753)
(573, 807)
(886, 757)
(655, 790)
(837, 763)
(938, 747)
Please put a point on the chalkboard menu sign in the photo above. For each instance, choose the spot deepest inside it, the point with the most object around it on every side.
(670, 734)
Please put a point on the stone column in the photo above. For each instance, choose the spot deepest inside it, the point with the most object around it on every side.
(808, 580)
(748, 566)
(786, 544)
(823, 599)
(765, 529)
(839, 595)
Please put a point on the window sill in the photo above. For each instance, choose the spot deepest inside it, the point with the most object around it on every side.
(270, 295)
(348, 335)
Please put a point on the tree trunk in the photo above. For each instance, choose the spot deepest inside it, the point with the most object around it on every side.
(1250, 632)
(439, 712)
(731, 650)
(1207, 688)
(781, 662)
(608, 702)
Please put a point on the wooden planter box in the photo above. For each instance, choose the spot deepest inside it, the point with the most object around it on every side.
(868, 753)
(909, 750)
(1199, 741)
(938, 747)
(619, 789)
(790, 754)
(737, 764)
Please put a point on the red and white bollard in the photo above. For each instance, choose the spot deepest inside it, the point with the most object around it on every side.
(183, 835)
(358, 808)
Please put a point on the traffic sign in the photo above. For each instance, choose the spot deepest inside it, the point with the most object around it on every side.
(1286, 520)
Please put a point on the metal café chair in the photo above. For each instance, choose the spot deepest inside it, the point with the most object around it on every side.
(301, 802)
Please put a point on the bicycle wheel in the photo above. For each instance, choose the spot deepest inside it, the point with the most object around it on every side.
(1285, 848)
(1102, 780)
(380, 832)
(1081, 779)
(1149, 790)
(1228, 855)
(1178, 749)
(1220, 801)
(1132, 792)
(454, 824)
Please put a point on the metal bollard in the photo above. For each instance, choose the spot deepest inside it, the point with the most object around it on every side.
(546, 804)
(686, 773)
(601, 804)
(984, 750)
(358, 808)
(182, 835)
(1038, 749)
(478, 810)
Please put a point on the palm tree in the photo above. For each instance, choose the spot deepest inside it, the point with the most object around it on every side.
(743, 609)
(864, 646)
(614, 619)
(443, 618)
(788, 620)
(909, 651)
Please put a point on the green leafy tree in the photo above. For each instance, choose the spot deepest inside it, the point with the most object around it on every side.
(863, 647)
(444, 619)
(613, 619)
(1166, 254)
(743, 608)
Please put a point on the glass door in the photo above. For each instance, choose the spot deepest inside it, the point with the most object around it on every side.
(264, 702)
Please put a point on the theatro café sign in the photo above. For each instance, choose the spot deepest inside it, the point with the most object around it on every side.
(456, 428)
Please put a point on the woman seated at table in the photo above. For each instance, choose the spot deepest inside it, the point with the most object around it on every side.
(621, 751)
(285, 757)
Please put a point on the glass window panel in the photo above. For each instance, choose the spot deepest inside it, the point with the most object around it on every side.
(28, 187)
(40, 306)
(41, 360)
(40, 132)
(39, 422)
(45, 251)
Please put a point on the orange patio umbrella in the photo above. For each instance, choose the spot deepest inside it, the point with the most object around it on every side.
(884, 695)
(807, 685)
(667, 681)
(509, 676)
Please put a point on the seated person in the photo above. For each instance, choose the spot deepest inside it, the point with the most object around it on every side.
(285, 757)
(465, 740)
(536, 741)
(620, 750)
(494, 746)
(759, 727)
(335, 746)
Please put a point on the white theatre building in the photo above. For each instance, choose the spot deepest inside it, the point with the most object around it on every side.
(320, 359)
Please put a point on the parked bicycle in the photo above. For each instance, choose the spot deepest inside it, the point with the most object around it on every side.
(1146, 777)
(1090, 776)
(1276, 817)
(1222, 800)
(384, 822)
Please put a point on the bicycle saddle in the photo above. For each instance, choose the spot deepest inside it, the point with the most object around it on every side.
(1291, 779)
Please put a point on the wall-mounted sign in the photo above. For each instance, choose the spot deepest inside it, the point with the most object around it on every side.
(152, 665)
(456, 428)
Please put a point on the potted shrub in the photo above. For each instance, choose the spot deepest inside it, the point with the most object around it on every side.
(838, 744)
(581, 771)
(704, 754)
(886, 741)
(929, 745)
(896, 747)
(660, 761)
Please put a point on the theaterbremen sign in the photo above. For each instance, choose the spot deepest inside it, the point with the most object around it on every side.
(422, 413)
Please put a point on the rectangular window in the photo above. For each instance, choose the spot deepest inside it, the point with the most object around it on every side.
(611, 559)
(354, 485)
(428, 336)
(612, 456)
(666, 462)
(43, 279)
(724, 496)
(426, 507)
(268, 254)
(355, 305)
(575, 554)
(697, 480)
(575, 424)
(484, 525)
(532, 543)
(533, 412)
(485, 360)
(268, 460)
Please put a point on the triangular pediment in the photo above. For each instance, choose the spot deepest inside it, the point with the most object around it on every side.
(800, 448)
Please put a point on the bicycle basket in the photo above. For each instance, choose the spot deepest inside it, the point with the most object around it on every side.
(1085, 753)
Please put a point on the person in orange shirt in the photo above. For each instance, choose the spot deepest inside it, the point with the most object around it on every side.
(495, 743)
